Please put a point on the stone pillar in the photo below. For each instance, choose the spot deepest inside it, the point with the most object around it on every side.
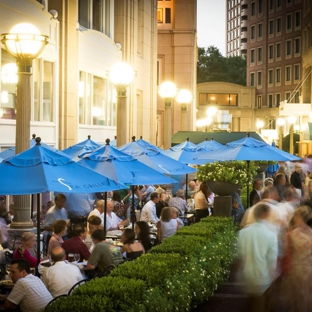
(23, 105)
(167, 124)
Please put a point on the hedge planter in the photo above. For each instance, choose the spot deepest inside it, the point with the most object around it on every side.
(176, 275)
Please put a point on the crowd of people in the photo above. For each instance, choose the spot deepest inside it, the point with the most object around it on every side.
(275, 243)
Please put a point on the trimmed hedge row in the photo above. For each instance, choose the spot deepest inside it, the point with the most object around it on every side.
(176, 275)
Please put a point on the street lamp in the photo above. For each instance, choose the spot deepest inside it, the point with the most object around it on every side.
(291, 121)
(184, 97)
(167, 90)
(280, 123)
(259, 125)
(121, 76)
(24, 43)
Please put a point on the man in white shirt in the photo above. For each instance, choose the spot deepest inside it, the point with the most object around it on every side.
(258, 254)
(98, 211)
(148, 213)
(29, 293)
(113, 222)
(60, 277)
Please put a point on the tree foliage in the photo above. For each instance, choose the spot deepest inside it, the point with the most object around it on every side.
(212, 66)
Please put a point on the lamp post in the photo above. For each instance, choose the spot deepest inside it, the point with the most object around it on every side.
(259, 125)
(184, 97)
(280, 123)
(291, 120)
(121, 76)
(167, 91)
(24, 43)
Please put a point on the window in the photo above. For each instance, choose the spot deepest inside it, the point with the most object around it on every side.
(270, 100)
(253, 8)
(278, 25)
(96, 15)
(260, 30)
(297, 45)
(260, 7)
(270, 76)
(297, 72)
(259, 82)
(271, 27)
(278, 75)
(296, 98)
(260, 54)
(278, 50)
(224, 99)
(259, 101)
(297, 19)
(271, 5)
(253, 32)
(288, 22)
(288, 47)
(252, 79)
(288, 74)
(277, 99)
(252, 56)
(287, 96)
(168, 15)
(271, 52)
(97, 104)
(278, 3)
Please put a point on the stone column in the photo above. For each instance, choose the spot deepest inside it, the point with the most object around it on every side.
(23, 105)
(184, 117)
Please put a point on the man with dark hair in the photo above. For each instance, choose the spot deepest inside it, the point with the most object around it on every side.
(255, 194)
(76, 244)
(55, 213)
(101, 256)
(258, 254)
(60, 277)
(148, 213)
(29, 293)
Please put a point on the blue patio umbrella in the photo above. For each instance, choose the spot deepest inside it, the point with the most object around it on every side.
(78, 149)
(209, 145)
(185, 152)
(151, 156)
(11, 151)
(122, 167)
(39, 170)
(248, 149)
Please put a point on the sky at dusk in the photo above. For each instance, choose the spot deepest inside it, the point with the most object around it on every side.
(211, 22)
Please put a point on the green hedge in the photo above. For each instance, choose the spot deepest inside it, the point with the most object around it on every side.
(176, 275)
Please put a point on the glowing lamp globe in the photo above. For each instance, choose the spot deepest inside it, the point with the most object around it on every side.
(121, 74)
(167, 90)
(184, 96)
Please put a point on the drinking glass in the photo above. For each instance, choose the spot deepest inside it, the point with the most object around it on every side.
(77, 257)
(71, 257)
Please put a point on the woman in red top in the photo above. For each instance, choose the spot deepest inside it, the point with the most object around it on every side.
(27, 249)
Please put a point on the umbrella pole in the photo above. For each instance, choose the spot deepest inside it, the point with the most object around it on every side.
(186, 184)
(248, 162)
(32, 206)
(105, 212)
(132, 208)
(38, 228)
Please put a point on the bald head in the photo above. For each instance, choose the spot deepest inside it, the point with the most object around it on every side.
(100, 205)
(58, 254)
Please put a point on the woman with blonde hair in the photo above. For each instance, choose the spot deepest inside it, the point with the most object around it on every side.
(167, 226)
(297, 287)
(27, 249)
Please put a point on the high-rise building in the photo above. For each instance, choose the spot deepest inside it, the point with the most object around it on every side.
(236, 34)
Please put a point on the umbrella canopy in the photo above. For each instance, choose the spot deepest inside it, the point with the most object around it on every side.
(151, 156)
(122, 167)
(10, 152)
(78, 149)
(186, 152)
(248, 149)
(39, 170)
(209, 145)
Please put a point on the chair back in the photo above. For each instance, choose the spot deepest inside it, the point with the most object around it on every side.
(77, 285)
(54, 299)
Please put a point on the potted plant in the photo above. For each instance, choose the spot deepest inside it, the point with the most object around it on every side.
(263, 165)
(225, 178)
